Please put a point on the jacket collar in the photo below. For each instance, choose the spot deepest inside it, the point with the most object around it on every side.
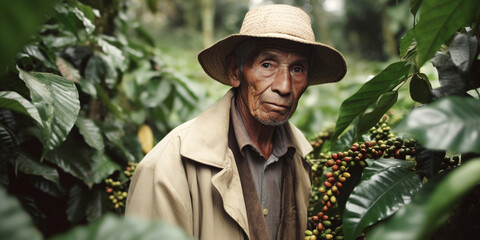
(207, 139)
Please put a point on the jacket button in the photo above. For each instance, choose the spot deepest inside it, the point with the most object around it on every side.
(265, 212)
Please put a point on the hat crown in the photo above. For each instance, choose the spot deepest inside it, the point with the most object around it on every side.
(278, 19)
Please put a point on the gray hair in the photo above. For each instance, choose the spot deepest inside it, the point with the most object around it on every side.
(244, 52)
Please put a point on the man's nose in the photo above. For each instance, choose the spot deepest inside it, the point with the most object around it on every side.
(283, 82)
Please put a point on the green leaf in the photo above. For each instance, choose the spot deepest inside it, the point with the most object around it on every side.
(408, 46)
(114, 53)
(67, 19)
(17, 103)
(385, 187)
(344, 142)
(384, 103)
(98, 71)
(155, 93)
(102, 167)
(32, 167)
(440, 19)
(19, 20)
(414, 6)
(33, 50)
(98, 205)
(429, 161)
(114, 108)
(8, 152)
(450, 123)
(77, 203)
(91, 133)
(73, 158)
(431, 206)
(15, 223)
(87, 23)
(145, 35)
(56, 100)
(111, 227)
(355, 105)
(420, 88)
(348, 186)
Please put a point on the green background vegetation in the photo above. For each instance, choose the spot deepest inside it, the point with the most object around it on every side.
(80, 78)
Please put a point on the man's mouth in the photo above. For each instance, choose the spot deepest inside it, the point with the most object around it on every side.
(279, 107)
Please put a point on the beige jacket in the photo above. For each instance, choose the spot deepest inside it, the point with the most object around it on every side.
(190, 178)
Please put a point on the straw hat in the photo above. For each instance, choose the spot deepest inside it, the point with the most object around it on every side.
(276, 21)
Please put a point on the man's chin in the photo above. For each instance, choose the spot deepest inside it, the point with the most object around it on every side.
(273, 122)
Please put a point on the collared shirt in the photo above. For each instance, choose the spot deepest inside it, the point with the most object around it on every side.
(266, 173)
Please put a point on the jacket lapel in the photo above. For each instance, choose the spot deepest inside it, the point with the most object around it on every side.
(207, 143)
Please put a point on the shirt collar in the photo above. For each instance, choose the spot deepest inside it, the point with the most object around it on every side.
(281, 141)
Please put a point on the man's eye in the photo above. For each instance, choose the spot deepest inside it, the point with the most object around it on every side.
(298, 69)
(266, 65)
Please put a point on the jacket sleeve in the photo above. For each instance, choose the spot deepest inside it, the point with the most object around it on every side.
(159, 188)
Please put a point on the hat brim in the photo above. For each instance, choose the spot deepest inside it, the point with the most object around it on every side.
(328, 65)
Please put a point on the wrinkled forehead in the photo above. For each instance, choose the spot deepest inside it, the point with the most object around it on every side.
(284, 45)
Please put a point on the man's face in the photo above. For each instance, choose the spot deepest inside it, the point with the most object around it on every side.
(274, 81)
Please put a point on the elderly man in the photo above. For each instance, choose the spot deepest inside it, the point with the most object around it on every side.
(237, 171)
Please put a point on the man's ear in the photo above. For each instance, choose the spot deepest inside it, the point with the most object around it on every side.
(233, 71)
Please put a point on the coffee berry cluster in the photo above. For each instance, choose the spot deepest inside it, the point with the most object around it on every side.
(331, 171)
(449, 162)
(117, 187)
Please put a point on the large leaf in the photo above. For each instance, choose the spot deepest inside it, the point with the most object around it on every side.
(56, 100)
(450, 123)
(111, 227)
(33, 167)
(99, 203)
(452, 80)
(15, 223)
(73, 158)
(102, 167)
(463, 49)
(368, 94)
(431, 206)
(344, 142)
(77, 203)
(369, 119)
(91, 133)
(440, 19)
(17, 103)
(385, 187)
(429, 161)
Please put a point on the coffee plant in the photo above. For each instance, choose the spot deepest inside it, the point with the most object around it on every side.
(117, 187)
(405, 188)
(331, 171)
(79, 79)
(84, 80)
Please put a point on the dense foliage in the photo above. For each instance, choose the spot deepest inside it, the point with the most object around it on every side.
(421, 196)
(88, 94)
(80, 105)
